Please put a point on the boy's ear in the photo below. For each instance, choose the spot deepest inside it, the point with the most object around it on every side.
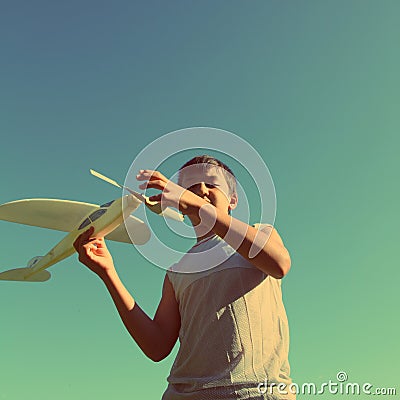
(233, 201)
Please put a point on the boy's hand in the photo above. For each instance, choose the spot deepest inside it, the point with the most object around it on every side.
(93, 253)
(172, 194)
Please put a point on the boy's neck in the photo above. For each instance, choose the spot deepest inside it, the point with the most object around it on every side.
(200, 231)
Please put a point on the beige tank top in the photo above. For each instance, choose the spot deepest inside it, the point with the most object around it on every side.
(234, 331)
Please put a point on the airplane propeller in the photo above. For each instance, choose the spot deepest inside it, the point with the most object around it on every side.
(154, 206)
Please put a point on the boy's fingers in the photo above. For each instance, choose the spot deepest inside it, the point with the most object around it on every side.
(100, 243)
(144, 174)
(156, 197)
(83, 238)
(158, 175)
(78, 243)
(148, 174)
(156, 184)
(89, 231)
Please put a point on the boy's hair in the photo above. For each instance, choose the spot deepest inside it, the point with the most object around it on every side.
(211, 162)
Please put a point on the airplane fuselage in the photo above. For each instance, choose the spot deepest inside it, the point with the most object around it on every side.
(104, 220)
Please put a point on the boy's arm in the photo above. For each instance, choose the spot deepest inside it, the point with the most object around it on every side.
(156, 337)
(265, 250)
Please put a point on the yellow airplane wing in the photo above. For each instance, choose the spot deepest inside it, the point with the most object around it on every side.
(139, 232)
(65, 215)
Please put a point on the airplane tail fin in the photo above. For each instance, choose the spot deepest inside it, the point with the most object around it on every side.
(25, 274)
(22, 274)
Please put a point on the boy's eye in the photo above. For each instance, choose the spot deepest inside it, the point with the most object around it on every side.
(208, 185)
(191, 188)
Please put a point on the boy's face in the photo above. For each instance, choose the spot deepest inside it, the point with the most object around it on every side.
(209, 184)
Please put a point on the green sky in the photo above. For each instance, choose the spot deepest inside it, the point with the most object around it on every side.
(312, 85)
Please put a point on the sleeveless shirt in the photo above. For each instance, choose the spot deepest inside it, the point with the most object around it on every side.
(234, 331)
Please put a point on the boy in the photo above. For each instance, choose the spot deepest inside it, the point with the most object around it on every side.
(226, 309)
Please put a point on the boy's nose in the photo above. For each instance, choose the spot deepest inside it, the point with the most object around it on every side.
(202, 189)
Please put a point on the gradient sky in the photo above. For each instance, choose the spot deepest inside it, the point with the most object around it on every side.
(313, 86)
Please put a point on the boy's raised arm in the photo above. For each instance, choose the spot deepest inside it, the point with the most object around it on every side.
(156, 337)
(265, 250)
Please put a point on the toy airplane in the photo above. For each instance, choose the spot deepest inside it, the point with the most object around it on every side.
(76, 217)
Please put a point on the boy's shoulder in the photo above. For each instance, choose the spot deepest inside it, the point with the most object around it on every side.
(209, 253)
